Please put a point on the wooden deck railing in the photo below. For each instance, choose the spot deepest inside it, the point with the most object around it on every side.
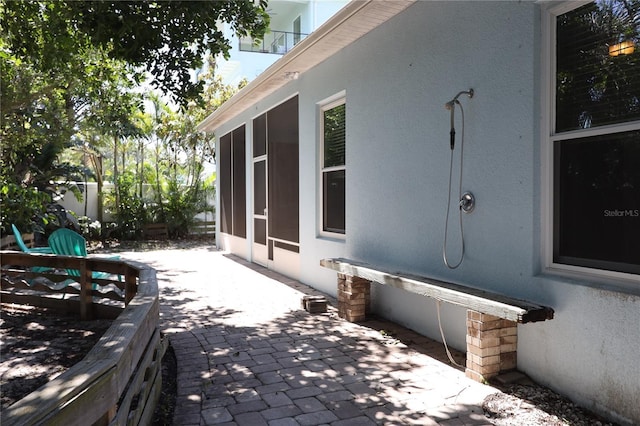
(119, 381)
(202, 227)
(9, 242)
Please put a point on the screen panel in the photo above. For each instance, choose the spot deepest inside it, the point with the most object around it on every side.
(239, 183)
(226, 185)
(282, 157)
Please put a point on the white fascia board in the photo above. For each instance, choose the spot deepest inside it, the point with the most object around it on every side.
(350, 23)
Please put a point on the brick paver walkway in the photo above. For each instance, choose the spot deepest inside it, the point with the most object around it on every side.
(248, 354)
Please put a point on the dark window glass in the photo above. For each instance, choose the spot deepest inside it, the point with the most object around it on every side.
(260, 230)
(260, 136)
(333, 201)
(282, 157)
(598, 63)
(597, 202)
(285, 246)
(224, 170)
(259, 187)
(239, 184)
(334, 136)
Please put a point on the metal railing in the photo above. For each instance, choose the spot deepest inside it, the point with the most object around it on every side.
(276, 42)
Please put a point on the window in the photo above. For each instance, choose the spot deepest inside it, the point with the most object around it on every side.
(593, 149)
(296, 31)
(333, 136)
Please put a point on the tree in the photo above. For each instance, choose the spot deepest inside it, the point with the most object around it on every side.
(595, 88)
(69, 65)
(165, 38)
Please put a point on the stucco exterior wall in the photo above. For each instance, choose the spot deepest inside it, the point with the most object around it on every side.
(397, 80)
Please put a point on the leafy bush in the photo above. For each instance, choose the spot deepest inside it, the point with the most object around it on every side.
(89, 228)
(181, 207)
(24, 207)
(130, 215)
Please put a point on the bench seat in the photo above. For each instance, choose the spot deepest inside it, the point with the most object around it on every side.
(492, 318)
(478, 300)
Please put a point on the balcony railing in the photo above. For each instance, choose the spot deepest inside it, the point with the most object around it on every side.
(278, 42)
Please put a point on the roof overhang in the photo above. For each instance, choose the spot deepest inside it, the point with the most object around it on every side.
(350, 23)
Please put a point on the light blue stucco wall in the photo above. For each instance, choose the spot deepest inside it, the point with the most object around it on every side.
(397, 79)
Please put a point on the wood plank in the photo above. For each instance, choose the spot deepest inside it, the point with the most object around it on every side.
(142, 382)
(203, 228)
(156, 230)
(457, 294)
(99, 380)
(9, 243)
(146, 416)
(47, 400)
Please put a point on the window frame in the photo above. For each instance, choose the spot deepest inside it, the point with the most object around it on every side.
(549, 137)
(325, 105)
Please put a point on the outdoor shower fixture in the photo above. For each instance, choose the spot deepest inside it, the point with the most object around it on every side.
(451, 106)
(467, 200)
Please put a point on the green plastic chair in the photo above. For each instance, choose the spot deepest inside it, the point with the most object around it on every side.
(66, 242)
(23, 246)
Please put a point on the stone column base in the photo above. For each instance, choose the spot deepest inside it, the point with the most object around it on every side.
(354, 294)
(492, 343)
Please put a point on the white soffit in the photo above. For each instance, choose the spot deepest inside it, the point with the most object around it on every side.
(350, 23)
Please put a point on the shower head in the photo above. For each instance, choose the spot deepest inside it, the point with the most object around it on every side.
(449, 105)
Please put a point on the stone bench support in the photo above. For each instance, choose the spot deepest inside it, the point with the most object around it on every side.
(492, 343)
(354, 298)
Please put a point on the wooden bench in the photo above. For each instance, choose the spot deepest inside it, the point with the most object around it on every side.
(156, 231)
(492, 318)
(9, 242)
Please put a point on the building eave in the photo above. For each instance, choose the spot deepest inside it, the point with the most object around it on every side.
(350, 23)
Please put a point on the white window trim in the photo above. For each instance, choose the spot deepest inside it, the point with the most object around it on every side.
(548, 137)
(324, 105)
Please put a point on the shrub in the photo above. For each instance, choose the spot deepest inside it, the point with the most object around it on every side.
(25, 207)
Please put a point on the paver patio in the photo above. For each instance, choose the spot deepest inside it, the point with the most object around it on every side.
(248, 354)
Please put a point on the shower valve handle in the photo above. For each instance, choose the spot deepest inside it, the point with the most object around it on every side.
(467, 202)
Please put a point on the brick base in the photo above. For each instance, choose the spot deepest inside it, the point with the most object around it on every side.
(491, 345)
(354, 298)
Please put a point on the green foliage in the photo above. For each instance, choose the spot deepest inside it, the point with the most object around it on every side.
(68, 70)
(90, 229)
(24, 207)
(130, 213)
(165, 38)
(593, 87)
(181, 207)
(33, 124)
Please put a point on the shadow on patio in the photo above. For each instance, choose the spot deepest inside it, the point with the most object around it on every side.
(247, 353)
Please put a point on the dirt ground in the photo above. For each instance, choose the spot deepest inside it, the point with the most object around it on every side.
(38, 345)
